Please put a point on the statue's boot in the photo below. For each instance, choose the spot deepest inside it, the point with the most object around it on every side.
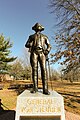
(35, 79)
(45, 87)
(35, 87)
(46, 92)
(34, 90)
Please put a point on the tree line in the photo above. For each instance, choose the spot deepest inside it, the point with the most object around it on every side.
(16, 67)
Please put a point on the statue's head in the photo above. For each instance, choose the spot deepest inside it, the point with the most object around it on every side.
(38, 27)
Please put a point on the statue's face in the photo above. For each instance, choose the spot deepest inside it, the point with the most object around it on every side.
(37, 30)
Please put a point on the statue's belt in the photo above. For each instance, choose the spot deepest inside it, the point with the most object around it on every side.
(38, 49)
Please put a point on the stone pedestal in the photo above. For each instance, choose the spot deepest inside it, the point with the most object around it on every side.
(38, 106)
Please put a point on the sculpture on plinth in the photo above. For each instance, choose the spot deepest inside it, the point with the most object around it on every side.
(39, 48)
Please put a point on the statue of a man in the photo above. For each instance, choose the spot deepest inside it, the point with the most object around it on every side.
(39, 48)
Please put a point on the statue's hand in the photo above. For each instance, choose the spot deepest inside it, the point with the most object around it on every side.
(46, 52)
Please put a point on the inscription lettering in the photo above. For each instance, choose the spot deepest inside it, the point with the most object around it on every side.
(40, 106)
(41, 109)
(39, 101)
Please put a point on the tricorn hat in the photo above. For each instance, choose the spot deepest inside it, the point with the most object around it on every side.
(37, 27)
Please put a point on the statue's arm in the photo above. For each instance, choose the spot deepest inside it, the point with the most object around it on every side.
(28, 43)
(47, 44)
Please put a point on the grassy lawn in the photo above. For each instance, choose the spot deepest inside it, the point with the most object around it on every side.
(70, 92)
(8, 98)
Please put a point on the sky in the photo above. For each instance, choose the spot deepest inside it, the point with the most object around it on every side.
(17, 18)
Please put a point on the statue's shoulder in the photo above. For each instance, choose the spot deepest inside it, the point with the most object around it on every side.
(43, 35)
(32, 36)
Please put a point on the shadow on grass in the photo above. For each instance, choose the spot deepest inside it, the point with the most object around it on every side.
(7, 115)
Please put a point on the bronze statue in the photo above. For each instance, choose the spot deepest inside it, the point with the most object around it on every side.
(39, 47)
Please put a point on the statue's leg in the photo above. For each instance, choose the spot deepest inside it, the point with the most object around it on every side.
(34, 65)
(42, 61)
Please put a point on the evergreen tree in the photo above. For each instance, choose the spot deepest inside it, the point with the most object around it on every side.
(5, 58)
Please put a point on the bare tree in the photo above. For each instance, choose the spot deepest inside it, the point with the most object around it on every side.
(16, 70)
(68, 38)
